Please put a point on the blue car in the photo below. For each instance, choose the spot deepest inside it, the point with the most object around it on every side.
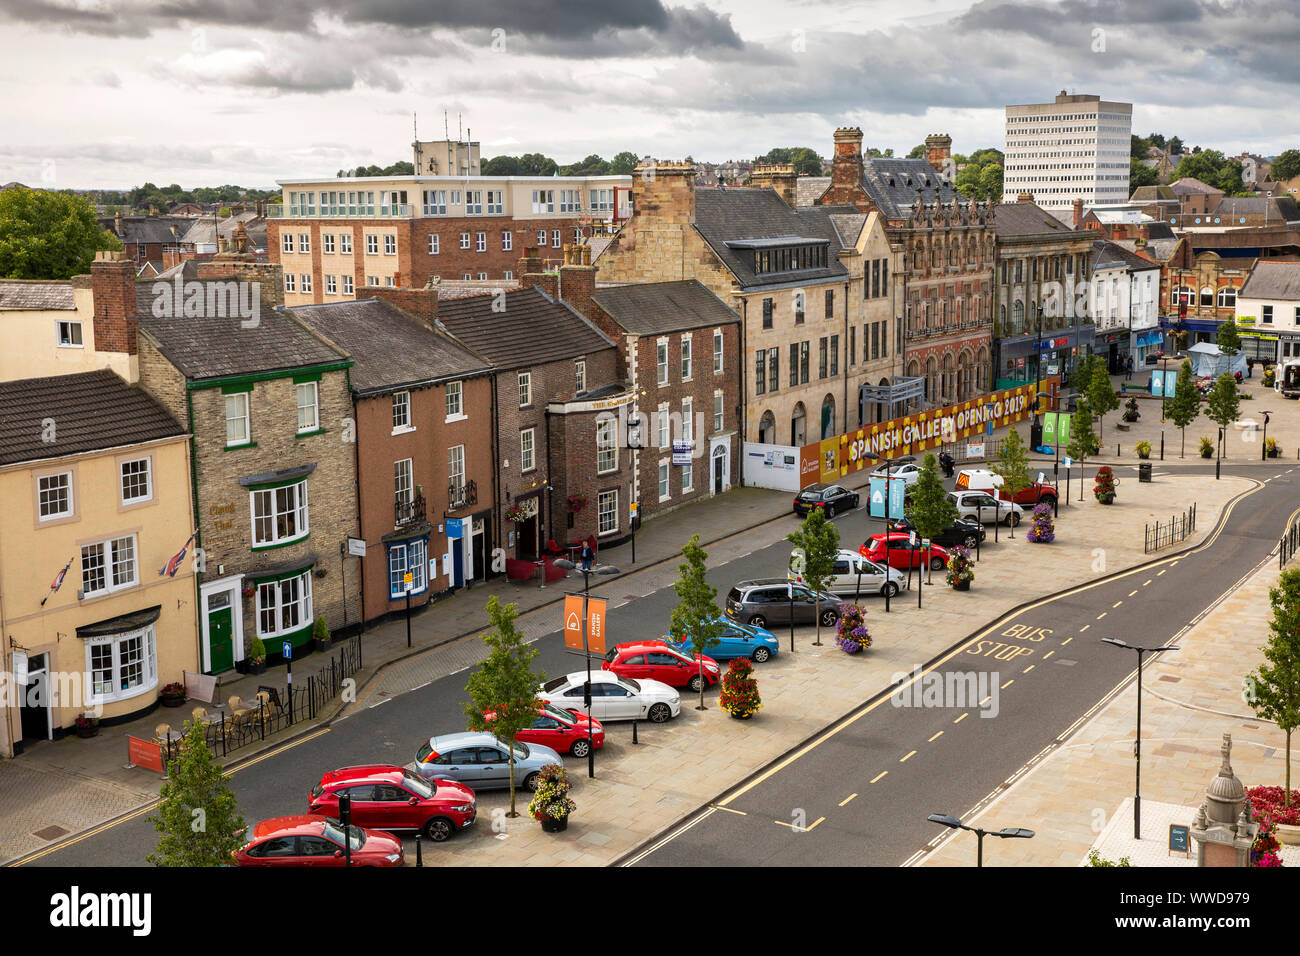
(737, 640)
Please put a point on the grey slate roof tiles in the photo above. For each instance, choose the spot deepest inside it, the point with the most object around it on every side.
(532, 329)
(1273, 280)
(657, 307)
(36, 296)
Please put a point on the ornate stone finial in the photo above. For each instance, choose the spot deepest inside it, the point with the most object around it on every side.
(1201, 821)
(1225, 769)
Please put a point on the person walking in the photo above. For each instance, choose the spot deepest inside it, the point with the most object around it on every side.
(1128, 370)
(587, 556)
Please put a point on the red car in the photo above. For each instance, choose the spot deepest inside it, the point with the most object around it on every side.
(316, 841)
(655, 660)
(1035, 493)
(902, 553)
(564, 731)
(390, 798)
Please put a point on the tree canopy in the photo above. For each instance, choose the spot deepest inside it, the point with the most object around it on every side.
(48, 235)
(806, 162)
(1214, 169)
(1285, 166)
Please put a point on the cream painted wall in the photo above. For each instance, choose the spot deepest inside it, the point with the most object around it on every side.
(29, 343)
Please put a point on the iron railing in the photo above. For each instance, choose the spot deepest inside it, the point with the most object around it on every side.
(404, 512)
(463, 495)
(1164, 533)
(1288, 544)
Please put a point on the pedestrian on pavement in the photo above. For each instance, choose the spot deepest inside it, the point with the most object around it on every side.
(1128, 370)
(587, 556)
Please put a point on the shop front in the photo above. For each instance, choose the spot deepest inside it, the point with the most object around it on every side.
(1264, 345)
(1024, 359)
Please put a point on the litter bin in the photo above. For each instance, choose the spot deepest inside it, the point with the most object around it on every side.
(1144, 471)
(1035, 434)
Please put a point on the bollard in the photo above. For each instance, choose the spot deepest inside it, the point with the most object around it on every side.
(419, 858)
(634, 723)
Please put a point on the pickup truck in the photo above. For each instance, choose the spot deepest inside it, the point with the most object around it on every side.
(980, 479)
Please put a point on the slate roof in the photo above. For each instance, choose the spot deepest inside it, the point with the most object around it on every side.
(655, 307)
(215, 346)
(1281, 208)
(1107, 254)
(1273, 280)
(390, 349)
(1013, 220)
(1188, 186)
(1160, 230)
(147, 229)
(849, 226)
(1152, 194)
(723, 215)
(896, 185)
(532, 329)
(201, 230)
(36, 296)
(91, 411)
(808, 189)
(1160, 250)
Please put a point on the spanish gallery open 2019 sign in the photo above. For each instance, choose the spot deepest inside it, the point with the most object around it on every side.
(831, 459)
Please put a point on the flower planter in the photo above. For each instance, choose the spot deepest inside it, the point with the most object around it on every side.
(553, 825)
(961, 586)
(1288, 833)
(172, 700)
(85, 732)
(322, 646)
(741, 716)
(256, 667)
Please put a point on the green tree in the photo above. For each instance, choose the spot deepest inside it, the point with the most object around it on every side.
(500, 166)
(1185, 407)
(1083, 440)
(198, 818)
(1175, 145)
(1140, 174)
(505, 684)
(932, 511)
(623, 163)
(1013, 466)
(1274, 688)
(817, 545)
(697, 617)
(991, 182)
(1156, 139)
(1228, 338)
(1224, 405)
(875, 153)
(1101, 393)
(535, 164)
(48, 235)
(1137, 148)
(917, 151)
(593, 165)
(1285, 166)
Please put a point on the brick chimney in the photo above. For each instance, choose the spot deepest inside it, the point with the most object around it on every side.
(1025, 197)
(246, 268)
(421, 303)
(531, 261)
(938, 150)
(664, 189)
(781, 178)
(1078, 211)
(846, 163)
(112, 285)
(548, 282)
(578, 278)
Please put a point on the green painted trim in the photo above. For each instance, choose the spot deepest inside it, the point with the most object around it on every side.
(282, 483)
(283, 575)
(296, 638)
(280, 544)
(314, 431)
(236, 388)
(302, 378)
(247, 444)
(222, 383)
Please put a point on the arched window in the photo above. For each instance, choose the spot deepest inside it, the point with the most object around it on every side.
(1002, 319)
(1207, 296)
(1227, 297)
(828, 416)
(798, 425)
(1017, 317)
(767, 428)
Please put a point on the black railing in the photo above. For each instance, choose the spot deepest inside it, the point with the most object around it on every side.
(278, 707)
(1288, 544)
(1164, 533)
(404, 512)
(463, 495)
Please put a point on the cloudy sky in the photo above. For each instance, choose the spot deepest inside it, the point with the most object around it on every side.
(113, 93)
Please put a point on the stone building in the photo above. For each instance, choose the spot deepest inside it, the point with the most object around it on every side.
(267, 403)
(1224, 827)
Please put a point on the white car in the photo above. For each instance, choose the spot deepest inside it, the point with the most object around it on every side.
(845, 580)
(908, 471)
(614, 697)
(984, 507)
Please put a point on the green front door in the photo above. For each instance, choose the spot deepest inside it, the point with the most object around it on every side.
(221, 649)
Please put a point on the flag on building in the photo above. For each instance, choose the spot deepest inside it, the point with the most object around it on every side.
(58, 581)
(171, 567)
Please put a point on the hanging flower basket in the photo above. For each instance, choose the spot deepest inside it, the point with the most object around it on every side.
(577, 503)
(851, 631)
(516, 514)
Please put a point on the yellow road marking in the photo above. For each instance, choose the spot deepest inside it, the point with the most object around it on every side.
(847, 799)
(1048, 654)
(961, 718)
(1146, 582)
(1069, 639)
(1102, 614)
(1008, 683)
(935, 737)
(1160, 572)
(904, 759)
(1029, 668)
(814, 824)
(985, 701)
(739, 813)
(878, 776)
(1113, 606)
(1130, 594)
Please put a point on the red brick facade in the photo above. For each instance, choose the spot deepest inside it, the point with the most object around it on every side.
(112, 282)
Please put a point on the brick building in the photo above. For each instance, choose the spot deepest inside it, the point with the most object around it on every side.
(153, 243)
(425, 447)
(945, 285)
(267, 403)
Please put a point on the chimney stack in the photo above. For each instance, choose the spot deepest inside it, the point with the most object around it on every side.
(421, 303)
(578, 279)
(846, 163)
(1078, 211)
(112, 285)
(664, 190)
(938, 150)
(780, 178)
(1025, 197)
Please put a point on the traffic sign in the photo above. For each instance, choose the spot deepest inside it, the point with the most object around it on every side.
(1067, 462)
(408, 581)
(288, 651)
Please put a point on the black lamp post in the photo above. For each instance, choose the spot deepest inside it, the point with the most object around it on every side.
(1137, 740)
(947, 820)
(568, 565)
(1263, 448)
(1218, 458)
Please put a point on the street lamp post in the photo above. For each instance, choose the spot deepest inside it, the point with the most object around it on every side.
(568, 565)
(947, 820)
(1218, 458)
(1263, 448)
(1137, 739)
(885, 513)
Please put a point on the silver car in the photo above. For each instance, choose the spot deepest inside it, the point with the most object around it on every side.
(481, 761)
(845, 580)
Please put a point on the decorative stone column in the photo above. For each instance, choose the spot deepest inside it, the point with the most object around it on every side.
(1224, 827)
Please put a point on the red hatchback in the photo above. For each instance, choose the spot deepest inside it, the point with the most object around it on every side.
(655, 660)
(390, 798)
(902, 553)
(315, 841)
(564, 731)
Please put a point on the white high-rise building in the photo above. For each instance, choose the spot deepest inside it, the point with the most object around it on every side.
(1077, 147)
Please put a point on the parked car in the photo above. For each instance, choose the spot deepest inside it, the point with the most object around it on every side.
(564, 731)
(854, 574)
(981, 479)
(481, 760)
(767, 601)
(390, 798)
(313, 841)
(832, 498)
(966, 532)
(614, 697)
(905, 468)
(737, 640)
(903, 553)
(983, 507)
(655, 660)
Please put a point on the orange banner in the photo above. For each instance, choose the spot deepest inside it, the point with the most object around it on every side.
(143, 753)
(573, 622)
(596, 625)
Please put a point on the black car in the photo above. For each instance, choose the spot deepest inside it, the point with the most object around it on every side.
(963, 532)
(831, 498)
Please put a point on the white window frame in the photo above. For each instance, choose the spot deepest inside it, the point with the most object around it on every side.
(122, 478)
(313, 405)
(719, 411)
(688, 477)
(661, 361)
(345, 243)
(306, 282)
(298, 507)
(606, 446)
(111, 689)
(327, 243)
(289, 282)
(49, 491)
(402, 413)
(525, 389)
(455, 394)
(717, 351)
(665, 483)
(556, 240)
(495, 201)
(662, 423)
(246, 418)
(580, 376)
(331, 285)
(404, 482)
(348, 285)
(63, 331)
(480, 242)
(286, 242)
(390, 245)
(464, 240)
(435, 247)
(527, 450)
(111, 559)
(473, 202)
(414, 558)
(304, 242)
(303, 604)
(507, 240)
(688, 423)
(541, 238)
(688, 364)
(456, 467)
(372, 244)
(603, 499)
